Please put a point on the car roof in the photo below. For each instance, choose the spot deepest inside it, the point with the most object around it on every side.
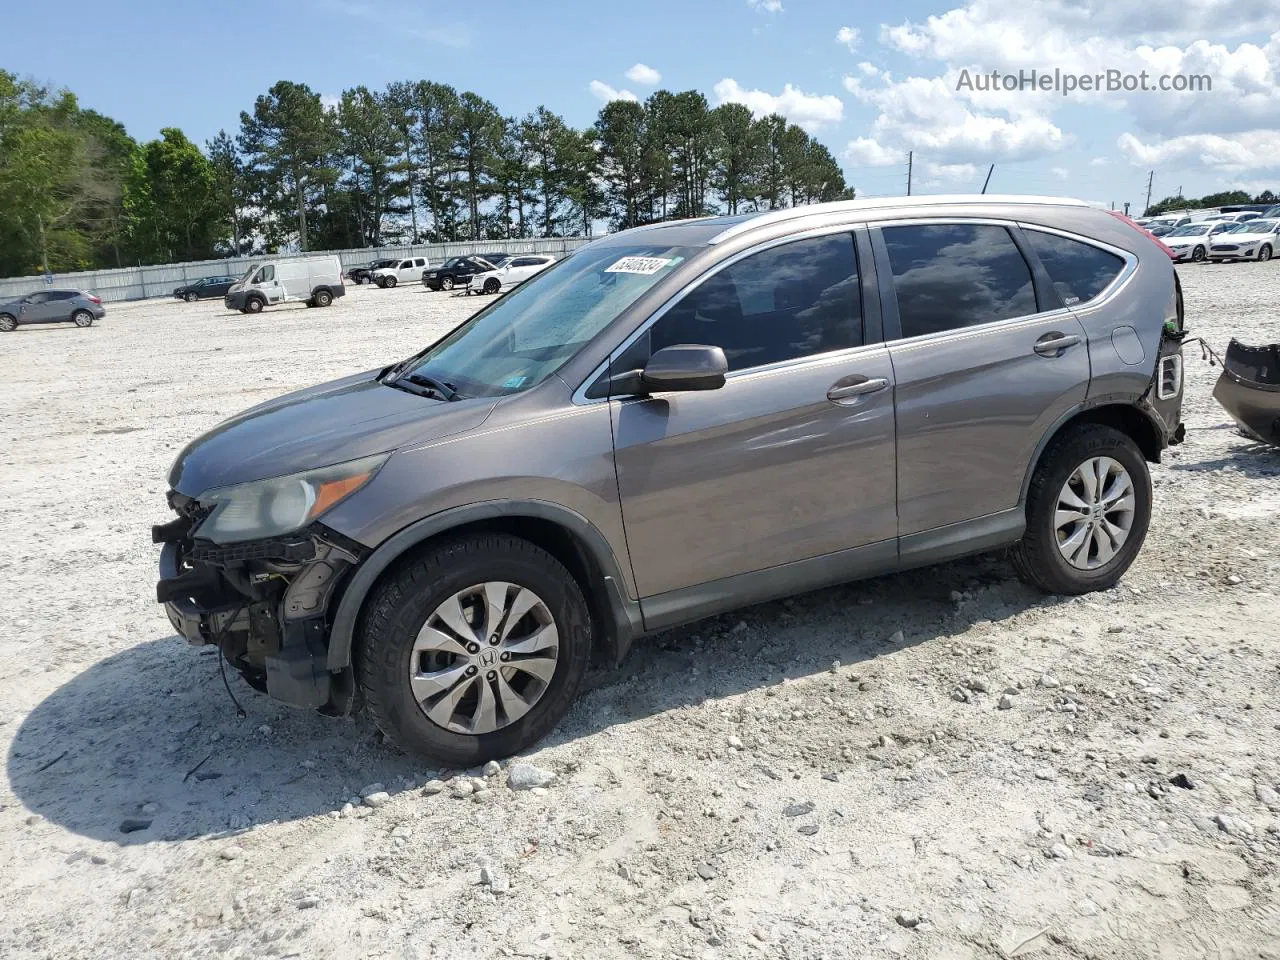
(713, 230)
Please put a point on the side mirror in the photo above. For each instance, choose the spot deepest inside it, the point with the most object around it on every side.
(679, 368)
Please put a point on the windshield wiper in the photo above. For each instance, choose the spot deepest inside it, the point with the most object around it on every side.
(447, 390)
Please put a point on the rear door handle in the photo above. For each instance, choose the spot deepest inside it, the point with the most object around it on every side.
(1051, 344)
(850, 388)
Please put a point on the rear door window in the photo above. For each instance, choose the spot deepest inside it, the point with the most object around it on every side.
(1079, 271)
(953, 275)
(795, 300)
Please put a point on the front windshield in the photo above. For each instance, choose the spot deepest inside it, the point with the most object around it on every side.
(523, 338)
(1258, 226)
(1190, 230)
(253, 268)
(452, 262)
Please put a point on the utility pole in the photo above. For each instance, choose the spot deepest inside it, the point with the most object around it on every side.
(988, 180)
(909, 156)
(1150, 177)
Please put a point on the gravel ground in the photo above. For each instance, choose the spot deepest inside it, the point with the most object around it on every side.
(939, 764)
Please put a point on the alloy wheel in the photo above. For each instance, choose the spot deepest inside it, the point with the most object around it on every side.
(1095, 513)
(484, 658)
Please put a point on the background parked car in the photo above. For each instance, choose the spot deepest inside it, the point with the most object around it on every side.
(509, 273)
(456, 271)
(1192, 241)
(400, 271)
(207, 288)
(52, 306)
(365, 274)
(1251, 240)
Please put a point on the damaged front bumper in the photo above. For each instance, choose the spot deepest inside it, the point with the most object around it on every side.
(265, 603)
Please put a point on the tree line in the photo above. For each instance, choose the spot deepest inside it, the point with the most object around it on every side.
(415, 162)
(1224, 198)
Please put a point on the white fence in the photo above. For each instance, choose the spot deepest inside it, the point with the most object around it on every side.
(139, 283)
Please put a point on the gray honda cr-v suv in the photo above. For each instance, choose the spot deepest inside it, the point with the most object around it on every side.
(674, 421)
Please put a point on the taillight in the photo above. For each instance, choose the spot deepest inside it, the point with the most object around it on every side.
(1139, 227)
(90, 297)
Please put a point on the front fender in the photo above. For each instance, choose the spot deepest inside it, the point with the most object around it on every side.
(627, 623)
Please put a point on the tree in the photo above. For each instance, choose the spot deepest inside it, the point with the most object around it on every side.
(171, 201)
(231, 191)
(371, 141)
(739, 159)
(620, 133)
(478, 136)
(287, 140)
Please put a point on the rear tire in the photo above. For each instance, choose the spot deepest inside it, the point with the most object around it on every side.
(1041, 556)
(322, 298)
(402, 605)
(253, 305)
(7, 323)
(82, 318)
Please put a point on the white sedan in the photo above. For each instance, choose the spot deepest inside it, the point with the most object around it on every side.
(1191, 242)
(1251, 240)
(512, 271)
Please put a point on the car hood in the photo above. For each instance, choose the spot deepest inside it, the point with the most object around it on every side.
(1241, 237)
(330, 423)
(1184, 241)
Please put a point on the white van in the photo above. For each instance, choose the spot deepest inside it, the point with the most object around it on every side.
(315, 281)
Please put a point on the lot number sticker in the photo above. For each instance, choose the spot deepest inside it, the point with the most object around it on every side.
(646, 266)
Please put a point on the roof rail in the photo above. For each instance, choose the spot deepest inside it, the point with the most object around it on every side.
(879, 203)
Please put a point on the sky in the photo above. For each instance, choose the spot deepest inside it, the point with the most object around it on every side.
(871, 81)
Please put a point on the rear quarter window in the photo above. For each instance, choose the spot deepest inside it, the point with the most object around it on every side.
(1079, 271)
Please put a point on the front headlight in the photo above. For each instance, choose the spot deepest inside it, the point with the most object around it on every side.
(270, 508)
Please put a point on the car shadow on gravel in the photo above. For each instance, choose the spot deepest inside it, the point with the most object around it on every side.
(147, 746)
(149, 736)
(1252, 458)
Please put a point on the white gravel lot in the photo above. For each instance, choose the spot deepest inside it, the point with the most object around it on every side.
(729, 792)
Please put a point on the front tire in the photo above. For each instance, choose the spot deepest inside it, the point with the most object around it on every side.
(1088, 511)
(1264, 252)
(191, 297)
(446, 283)
(1198, 255)
(253, 305)
(491, 285)
(82, 319)
(391, 282)
(474, 649)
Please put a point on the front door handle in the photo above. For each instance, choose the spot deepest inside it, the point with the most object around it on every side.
(850, 388)
(1051, 344)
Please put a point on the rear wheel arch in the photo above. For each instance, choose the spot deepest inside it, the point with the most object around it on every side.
(563, 533)
(1125, 417)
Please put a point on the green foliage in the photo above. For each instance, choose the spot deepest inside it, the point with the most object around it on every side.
(417, 161)
(1224, 198)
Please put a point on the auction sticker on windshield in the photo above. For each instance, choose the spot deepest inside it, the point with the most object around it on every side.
(646, 266)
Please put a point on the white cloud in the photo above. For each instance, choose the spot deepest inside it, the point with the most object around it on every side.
(870, 153)
(1257, 151)
(606, 93)
(869, 69)
(1099, 162)
(765, 6)
(1060, 172)
(849, 36)
(644, 75)
(927, 114)
(806, 110)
